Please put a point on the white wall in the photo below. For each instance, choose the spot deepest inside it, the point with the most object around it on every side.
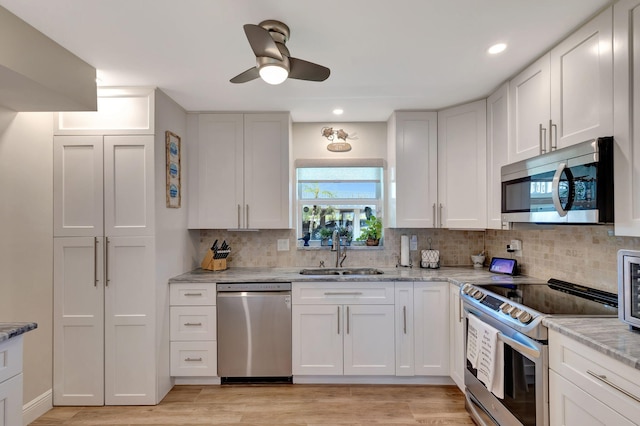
(370, 140)
(26, 235)
(175, 250)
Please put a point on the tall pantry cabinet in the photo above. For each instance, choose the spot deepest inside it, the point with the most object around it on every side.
(626, 117)
(104, 267)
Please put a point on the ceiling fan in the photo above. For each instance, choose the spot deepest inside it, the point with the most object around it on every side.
(273, 61)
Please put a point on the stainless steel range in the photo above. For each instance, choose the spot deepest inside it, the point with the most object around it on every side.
(516, 393)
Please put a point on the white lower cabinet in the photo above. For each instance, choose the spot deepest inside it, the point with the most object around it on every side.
(193, 330)
(573, 406)
(422, 332)
(104, 330)
(587, 387)
(11, 380)
(343, 329)
(457, 356)
(431, 318)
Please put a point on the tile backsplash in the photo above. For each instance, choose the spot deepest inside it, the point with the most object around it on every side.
(580, 254)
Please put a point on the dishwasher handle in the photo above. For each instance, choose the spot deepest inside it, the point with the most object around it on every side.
(248, 294)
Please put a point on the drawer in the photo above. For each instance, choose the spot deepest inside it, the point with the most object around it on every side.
(188, 294)
(10, 358)
(352, 293)
(194, 359)
(581, 364)
(193, 323)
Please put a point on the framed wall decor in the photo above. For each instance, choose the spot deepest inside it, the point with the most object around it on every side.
(174, 170)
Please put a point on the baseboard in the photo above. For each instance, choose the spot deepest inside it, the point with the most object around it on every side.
(374, 380)
(37, 407)
(197, 380)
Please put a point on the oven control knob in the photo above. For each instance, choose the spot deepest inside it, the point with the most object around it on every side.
(505, 308)
(466, 288)
(478, 295)
(515, 312)
(525, 317)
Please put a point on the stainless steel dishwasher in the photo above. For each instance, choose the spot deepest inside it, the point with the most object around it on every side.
(254, 332)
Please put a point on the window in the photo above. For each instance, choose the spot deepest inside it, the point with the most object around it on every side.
(337, 197)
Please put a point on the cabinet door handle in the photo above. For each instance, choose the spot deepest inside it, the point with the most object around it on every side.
(193, 294)
(347, 320)
(404, 315)
(106, 263)
(193, 324)
(553, 129)
(247, 214)
(604, 379)
(434, 215)
(95, 261)
(441, 215)
(342, 293)
(542, 139)
(193, 359)
(239, 215)
(338, 319)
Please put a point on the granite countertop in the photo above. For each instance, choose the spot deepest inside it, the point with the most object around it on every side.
(453, 274)
(13, 329)
(609, 336)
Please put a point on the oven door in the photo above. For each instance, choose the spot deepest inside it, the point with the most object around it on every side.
(525, 375)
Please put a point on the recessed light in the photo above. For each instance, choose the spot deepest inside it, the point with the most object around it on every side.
(497, 48)
(338, 111)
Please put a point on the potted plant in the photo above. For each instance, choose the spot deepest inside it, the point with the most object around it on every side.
(325, 234)
(345, 235)
(373, 231)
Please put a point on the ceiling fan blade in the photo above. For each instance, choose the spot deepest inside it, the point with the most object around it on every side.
(261, 42)
(248, 75)
(303, 70)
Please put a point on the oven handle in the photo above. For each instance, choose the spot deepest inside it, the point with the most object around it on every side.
(519, 346)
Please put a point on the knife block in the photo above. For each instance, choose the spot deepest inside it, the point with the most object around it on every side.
(212, 264)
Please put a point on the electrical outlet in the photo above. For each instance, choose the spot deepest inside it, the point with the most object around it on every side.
(413, 243)
(516, 246)
(283, 245)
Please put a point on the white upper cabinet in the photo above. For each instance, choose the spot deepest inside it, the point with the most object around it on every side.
(103, 185)
(581, 84)
(239, 171)
(627, 116)
(413, 170)
(497, 145)
(565, 97)
(529, 94)
(462, 166)
(78, 186)
(127, 110)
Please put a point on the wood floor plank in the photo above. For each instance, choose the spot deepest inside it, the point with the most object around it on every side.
(282, 405)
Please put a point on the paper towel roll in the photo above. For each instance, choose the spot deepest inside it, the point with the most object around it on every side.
(404, 250)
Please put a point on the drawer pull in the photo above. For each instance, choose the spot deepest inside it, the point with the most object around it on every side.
(192, 324)
(342, 293)
(193, 294)
(604, 379)
(193, 359)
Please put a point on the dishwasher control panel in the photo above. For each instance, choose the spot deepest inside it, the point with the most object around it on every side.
(254, 287)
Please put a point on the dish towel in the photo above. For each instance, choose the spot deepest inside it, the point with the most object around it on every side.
(485, 352)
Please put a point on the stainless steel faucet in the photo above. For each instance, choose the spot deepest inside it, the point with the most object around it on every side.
(335, 246)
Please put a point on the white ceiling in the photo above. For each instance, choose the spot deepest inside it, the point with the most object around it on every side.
(384, 55)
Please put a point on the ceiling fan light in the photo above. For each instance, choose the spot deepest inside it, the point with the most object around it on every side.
(273, 74)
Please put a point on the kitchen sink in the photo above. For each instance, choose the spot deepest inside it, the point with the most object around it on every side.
(362, 271)
(345, 271)
(319, 272)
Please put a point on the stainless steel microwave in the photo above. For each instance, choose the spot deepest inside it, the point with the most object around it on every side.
(569, 185)
(629, 287)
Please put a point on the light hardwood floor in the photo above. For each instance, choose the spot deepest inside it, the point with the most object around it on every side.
(290, 405)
